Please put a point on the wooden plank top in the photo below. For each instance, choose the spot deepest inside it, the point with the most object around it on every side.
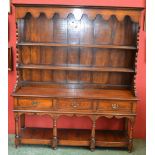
(108, 94)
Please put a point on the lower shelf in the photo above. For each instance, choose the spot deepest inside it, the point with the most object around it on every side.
(111, 138)
(74, 137)
(36, 136)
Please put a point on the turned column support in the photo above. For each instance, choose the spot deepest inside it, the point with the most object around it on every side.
(55, 140)
(16, 117)
(131, 126)
(92, 141)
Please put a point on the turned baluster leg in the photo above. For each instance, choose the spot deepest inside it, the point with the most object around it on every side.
(130, 146)
(92, 142)
(22, 121)
(55, 140)
(16, 130)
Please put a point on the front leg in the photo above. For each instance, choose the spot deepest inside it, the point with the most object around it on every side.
(92, 141)
(130, 146)
(16, 129)
(55, 140)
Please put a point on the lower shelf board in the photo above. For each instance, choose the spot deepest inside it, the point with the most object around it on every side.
(111, 138)
(74, 137)
(36, 136)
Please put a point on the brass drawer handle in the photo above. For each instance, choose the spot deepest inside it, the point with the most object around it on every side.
(115, 106)
(75, 104)
(35, 103)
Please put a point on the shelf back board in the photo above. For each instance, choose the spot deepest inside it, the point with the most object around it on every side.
(78, 45)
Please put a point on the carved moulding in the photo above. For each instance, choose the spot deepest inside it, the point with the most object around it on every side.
(91, 116)
(35, 113)
(78, 13)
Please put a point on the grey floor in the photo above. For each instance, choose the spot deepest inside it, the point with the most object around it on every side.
(139, 149)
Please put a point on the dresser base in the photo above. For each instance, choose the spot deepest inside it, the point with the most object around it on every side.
(74, 137)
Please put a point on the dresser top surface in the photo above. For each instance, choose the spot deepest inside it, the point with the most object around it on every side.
(30, 91)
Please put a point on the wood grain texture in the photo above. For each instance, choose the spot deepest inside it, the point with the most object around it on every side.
(77, 93)
(74, 137)
(76, 61)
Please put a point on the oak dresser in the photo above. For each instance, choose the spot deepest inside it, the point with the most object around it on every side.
(76, 61)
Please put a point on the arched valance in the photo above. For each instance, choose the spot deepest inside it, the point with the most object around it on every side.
(106, 13)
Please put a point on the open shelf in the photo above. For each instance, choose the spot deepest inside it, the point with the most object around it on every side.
(36, 136)
(111, 138)
(73, 85)
(77, 45)
(74, 137)
(76, 68)
(81, 137)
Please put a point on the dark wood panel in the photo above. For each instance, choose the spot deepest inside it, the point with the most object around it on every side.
(85, 77)
(60, 56)
(36, 30)
(26, 75)
(125, 33)
(84, 83)
(47, 55)
(59, 76)
(72, 77)
(45, 29)
(110, 79)
(73, 30)
(60, 29)
(36, 75)
(74, 56)
(103, 30)
(25, 55)
(46, 75)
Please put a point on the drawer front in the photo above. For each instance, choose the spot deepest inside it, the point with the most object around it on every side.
(74, 104)
(34, 103)
(115, 106)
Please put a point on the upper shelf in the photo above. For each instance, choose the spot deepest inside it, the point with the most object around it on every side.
(77, 45)
(77, 68)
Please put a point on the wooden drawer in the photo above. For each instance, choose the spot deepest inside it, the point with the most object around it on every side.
(115, 106)
(74, 105)
(34, 103)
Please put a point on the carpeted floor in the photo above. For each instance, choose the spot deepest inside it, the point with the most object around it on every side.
(139, 149)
